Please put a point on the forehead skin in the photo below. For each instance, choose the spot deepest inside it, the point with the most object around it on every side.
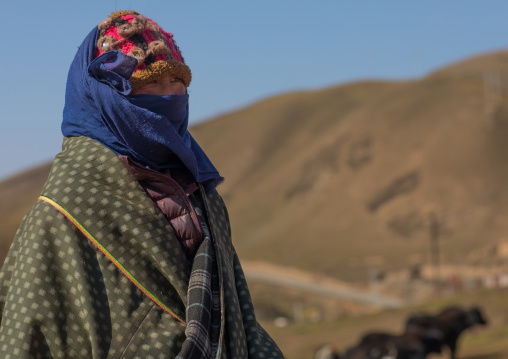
(165, 85)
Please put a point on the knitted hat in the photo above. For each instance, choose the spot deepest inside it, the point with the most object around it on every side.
(140, 37)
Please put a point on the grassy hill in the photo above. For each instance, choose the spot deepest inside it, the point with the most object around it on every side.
(345, 178)
(299, 340)
(17, 196)
(338, 180)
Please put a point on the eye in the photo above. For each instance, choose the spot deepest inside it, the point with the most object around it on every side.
(176, 79)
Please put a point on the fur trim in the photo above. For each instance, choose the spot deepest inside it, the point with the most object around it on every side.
(159, 69)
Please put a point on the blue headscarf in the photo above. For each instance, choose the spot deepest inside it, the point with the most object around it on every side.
(150, 129)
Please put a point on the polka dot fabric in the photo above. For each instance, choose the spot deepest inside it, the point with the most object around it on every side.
(62, 297)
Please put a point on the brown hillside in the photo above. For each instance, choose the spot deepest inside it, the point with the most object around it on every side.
(345, 178)
(17, 195)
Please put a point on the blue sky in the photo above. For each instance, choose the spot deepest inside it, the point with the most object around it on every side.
(239, 52)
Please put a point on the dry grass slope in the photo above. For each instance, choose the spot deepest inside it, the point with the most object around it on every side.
(17, 195)
(344, 178)
(339, 180)
(298, 341)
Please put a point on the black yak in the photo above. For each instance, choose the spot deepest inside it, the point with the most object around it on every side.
(451, 322)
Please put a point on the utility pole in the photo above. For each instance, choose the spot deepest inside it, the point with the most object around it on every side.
(435, 260)
(493, 93)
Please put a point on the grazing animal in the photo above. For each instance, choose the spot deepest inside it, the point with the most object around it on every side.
(390, 346)
(327, 351)
(374, 350)
(451, 322)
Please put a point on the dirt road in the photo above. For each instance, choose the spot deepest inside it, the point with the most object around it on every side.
(294, 278)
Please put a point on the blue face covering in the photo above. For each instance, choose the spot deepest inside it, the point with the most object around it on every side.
(150, 129)
(173, 107)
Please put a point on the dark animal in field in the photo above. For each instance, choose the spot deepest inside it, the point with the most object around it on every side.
(327, 351)
(388, 346)
(451, 322)
(375, 350)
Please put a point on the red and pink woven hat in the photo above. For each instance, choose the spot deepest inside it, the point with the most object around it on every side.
(140, 37)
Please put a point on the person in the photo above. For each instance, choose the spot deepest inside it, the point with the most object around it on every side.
(127, 253)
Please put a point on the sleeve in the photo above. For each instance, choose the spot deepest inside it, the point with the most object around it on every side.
(29, 310)
(60, 297)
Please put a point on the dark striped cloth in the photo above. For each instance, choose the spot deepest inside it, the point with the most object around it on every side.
(203, 313)
(203, 310)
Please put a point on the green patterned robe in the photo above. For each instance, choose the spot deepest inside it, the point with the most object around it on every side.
(96, 271)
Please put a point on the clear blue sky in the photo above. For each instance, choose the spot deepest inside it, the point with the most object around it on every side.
(239, 52)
